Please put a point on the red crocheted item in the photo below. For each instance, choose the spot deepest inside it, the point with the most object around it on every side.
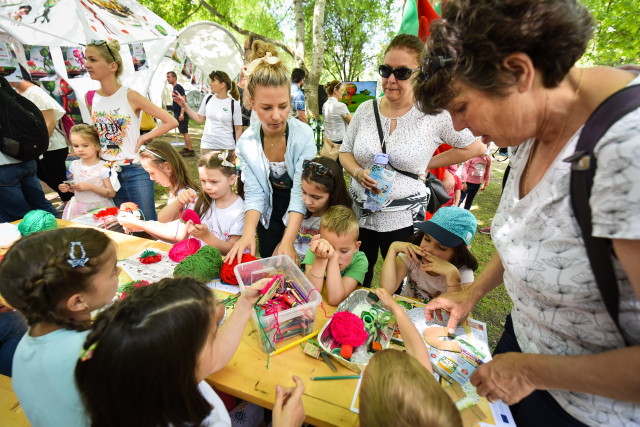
(347, 328)
(150, 257)
(190, 214)
(106, 212)
(226, 272)
(183, 249)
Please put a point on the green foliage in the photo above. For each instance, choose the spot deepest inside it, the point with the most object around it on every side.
(617, 36)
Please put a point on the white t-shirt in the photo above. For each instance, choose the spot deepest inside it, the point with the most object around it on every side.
(226, 222)
(557, 306)
(94, 174)
(410, 148)
(334, 112)
(218, 132)
(44, 102)
(423, 286)
(219, 417)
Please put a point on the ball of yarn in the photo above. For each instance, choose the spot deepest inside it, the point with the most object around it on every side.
(204, 265)
(190, 214)
(226, 272)
(347, 328)
(9, 233)
(183, 249)
(37, 220)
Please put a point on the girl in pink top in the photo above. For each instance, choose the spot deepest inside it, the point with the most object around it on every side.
(476, 173)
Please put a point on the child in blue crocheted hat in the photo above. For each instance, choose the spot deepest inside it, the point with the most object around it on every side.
(436, 260)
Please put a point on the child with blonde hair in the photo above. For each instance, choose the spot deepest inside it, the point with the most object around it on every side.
(56, 279)
(333, 259)
(220, 209)
(90, 181)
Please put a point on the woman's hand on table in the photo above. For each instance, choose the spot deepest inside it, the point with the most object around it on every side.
(507, 377)
(239, 247)
(288, 410)
(457, 304)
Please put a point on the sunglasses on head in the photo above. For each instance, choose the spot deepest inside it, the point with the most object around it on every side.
(317, 167)
(401, 73)
(433, 64)
(144, 148)
(100, 43)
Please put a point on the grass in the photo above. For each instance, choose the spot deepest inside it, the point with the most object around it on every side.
(492, 309)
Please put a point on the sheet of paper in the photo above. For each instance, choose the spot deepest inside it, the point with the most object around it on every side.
(355, 403)
(149, 272)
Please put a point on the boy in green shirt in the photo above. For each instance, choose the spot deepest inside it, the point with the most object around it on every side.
(333, 256)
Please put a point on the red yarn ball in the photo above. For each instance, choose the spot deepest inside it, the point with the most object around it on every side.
(190, 214)
(226, 272)
(347, 328)
(183, 249)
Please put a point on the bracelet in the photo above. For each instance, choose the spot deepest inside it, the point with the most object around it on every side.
(357, 171)
(316, 277)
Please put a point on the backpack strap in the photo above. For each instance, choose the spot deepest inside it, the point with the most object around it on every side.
(233, 129)
(583, 169)
(88, 98)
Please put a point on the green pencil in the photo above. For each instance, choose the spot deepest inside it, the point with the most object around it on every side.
(336, 377)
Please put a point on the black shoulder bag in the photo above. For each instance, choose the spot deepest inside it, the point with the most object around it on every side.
(438, 195)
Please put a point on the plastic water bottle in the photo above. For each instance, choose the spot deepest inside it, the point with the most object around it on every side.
(373, 202)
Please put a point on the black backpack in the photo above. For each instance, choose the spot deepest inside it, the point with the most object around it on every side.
(23, 131)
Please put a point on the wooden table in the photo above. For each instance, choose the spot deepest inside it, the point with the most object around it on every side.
(246, 376)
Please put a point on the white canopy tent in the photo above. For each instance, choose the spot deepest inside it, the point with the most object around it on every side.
(62, 23)
(209, 46)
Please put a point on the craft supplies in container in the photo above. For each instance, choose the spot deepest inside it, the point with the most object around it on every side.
(287, 307)
(360, 327)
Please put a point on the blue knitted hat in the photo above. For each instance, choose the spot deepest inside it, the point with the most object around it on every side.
(451, 226)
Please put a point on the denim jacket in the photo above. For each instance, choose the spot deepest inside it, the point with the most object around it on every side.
(255, 167)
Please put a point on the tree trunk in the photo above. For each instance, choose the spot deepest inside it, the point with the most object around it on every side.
(299, 50)
(317, 60)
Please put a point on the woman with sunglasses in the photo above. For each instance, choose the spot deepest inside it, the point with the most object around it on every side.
(115, 113)
(409, 138)
(271, 153)
(222, 113)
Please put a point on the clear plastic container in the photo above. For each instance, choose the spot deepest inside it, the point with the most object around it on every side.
(296, 321)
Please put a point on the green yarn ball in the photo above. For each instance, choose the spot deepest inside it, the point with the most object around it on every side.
(37, 220)
(204, 265)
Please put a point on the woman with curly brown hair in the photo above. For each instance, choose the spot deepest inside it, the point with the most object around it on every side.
(505, 69)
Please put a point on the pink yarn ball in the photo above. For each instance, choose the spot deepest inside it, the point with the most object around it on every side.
(190, 214)
(347, 328)
(183, 249)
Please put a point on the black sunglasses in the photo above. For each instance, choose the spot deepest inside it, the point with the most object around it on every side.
(401, 73)
(317, 167)
(100, 43)
(433, 64)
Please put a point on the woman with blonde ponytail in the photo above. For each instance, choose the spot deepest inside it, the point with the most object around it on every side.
(115, 113)
(270, 154)
(222, 113)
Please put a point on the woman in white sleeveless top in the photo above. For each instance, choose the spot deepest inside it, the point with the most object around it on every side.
(115, 112)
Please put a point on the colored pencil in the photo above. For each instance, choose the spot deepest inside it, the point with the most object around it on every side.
(336, 377)
(295, 343)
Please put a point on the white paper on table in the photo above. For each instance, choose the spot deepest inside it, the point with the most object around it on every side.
(355, 396)
(149, 272)
(218, 285)
(501, 415)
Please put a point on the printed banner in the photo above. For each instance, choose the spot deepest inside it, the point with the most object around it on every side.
(9, 67)
(73, 57)
(139, 56)
(39, 62)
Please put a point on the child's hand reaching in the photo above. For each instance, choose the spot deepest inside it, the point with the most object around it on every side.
(252, 293)
(129, 221)
(187, 196)
(288, 410)
(64, 188)
(321, 248)
(387, 299)
(197, 230)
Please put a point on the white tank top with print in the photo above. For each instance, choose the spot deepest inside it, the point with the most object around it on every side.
(117, 125)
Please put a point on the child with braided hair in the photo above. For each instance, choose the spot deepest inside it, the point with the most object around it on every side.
(147, 357)
(56, 279)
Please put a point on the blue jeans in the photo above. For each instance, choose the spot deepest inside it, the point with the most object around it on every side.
(136, 187)
(21, 192)
(13, 326)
